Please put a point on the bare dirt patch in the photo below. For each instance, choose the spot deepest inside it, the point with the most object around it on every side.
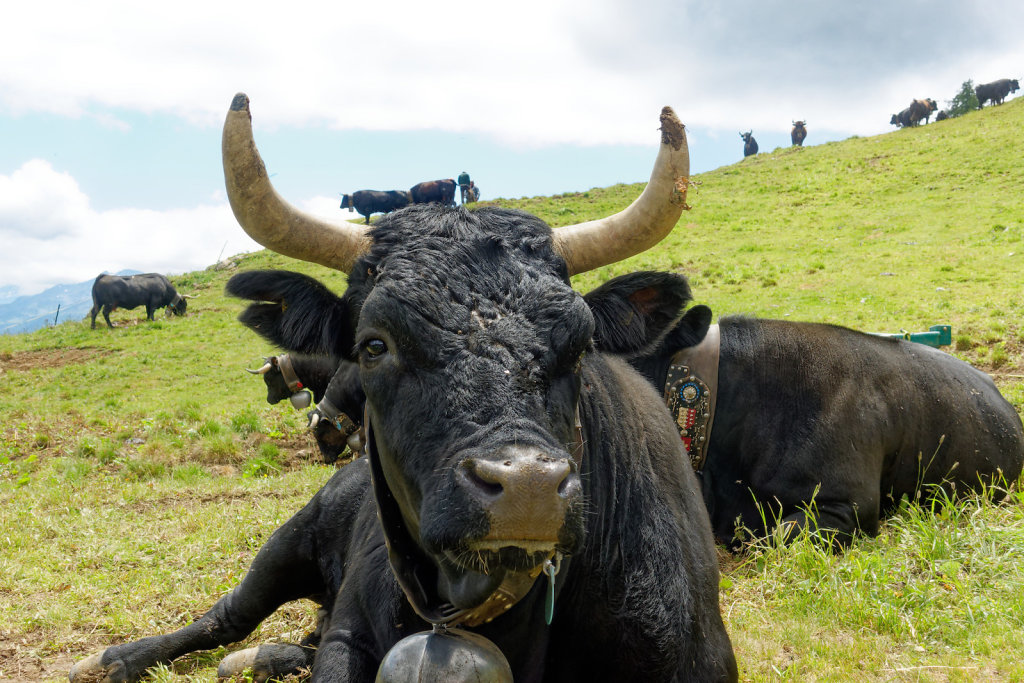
(20, 661)
(49, 358)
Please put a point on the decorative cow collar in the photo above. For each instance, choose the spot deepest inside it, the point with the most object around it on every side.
(415, 572)
(333, 414)
(284, 363)
(691, 390)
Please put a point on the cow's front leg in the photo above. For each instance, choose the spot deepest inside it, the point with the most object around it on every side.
(835, 521)
(284, 569)
(370, 614)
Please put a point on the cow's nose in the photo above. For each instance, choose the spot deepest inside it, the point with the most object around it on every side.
(526, 493)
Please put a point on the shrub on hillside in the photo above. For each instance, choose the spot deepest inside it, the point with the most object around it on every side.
(964, 101)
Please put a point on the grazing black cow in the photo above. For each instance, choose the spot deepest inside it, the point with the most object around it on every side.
(921, 109)
(902, 119)
(434, 191)
(941, 116)
(996, 91)
(799, 133)
(749, 144)
(151, 290)
(338, 414)
(817, 417)
(368, 202)
(500, 446)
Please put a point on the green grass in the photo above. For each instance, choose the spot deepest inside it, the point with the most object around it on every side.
(141, 468)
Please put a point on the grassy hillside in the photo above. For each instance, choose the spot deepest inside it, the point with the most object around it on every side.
(140, 468)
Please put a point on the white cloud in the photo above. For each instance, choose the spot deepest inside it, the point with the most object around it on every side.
(51, 235)
(35, 200)
(533, 72)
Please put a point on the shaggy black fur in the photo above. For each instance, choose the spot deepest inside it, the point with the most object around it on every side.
(471, 349)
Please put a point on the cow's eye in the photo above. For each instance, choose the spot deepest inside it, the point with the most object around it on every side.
(375, 347)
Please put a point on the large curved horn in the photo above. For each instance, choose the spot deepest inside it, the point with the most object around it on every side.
(262, 371)
(646, 221)
(266, 216)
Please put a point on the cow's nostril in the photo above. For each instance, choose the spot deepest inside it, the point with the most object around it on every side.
(483, 479)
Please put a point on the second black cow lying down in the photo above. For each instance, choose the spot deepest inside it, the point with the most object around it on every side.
(819, 425)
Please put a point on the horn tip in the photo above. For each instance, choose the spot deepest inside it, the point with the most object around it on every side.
(240, 102)
(673, 132)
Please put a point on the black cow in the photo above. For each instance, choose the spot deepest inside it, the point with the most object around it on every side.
(434, 191)
(337, 417)
(820, 418)
(941, 116)
(749, 144)
(901, 120)
(921, 109)
(367, 202)
(799, 133)
(500, 445)
(995, 91)
(152, 290)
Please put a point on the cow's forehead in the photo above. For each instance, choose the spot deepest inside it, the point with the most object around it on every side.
(461, 272)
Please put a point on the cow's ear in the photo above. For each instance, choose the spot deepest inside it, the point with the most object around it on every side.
(632, 312)
(294, 312)
(691, 329)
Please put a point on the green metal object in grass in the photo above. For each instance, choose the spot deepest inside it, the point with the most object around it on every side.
(937, 335)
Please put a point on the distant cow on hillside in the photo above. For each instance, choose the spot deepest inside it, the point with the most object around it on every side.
(375, 201)
(922, 109)
(799, 133)
(434, 191)
(995, 91)
(902, 119)
(941, 116)
(151, 290)
(749, 144)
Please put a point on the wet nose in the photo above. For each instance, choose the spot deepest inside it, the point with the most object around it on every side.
(526, 492)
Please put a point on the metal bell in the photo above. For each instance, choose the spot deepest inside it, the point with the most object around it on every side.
(448, 655)
(301, 400)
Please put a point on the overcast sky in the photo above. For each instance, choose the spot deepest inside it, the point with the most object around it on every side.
(110, 110)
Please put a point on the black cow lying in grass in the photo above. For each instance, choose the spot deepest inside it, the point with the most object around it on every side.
(818, 425)
(338, 415)
(518, 484)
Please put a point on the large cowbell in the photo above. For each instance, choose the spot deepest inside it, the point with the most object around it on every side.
(448, 655)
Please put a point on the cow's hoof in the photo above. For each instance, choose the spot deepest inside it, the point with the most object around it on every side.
(266, 662)
(92, 670)
(236, 663)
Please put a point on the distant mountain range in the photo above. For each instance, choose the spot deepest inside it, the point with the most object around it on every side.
(27, 313)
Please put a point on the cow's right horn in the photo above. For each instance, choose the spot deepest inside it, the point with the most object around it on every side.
(646, 221)
(266, 216)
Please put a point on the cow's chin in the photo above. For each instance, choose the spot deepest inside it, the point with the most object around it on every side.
(468, 577)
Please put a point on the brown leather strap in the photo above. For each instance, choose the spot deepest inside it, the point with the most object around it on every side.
(288, 373)
(691, 391)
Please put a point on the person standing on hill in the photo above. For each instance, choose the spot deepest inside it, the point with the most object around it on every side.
(463, 186)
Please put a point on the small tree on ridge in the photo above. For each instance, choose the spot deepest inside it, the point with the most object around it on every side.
(964, 101)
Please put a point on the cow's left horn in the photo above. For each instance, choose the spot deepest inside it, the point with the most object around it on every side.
(646, 221)
(266, 216)
(262, 371)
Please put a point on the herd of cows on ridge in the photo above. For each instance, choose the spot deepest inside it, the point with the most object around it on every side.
(995, 92)
(520, 484)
